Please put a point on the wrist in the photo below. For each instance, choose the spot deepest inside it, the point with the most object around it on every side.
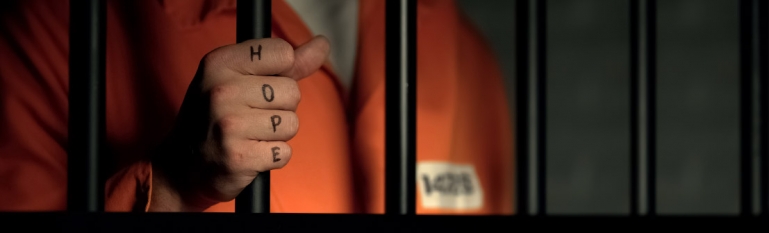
(166, 197)
(173, 184)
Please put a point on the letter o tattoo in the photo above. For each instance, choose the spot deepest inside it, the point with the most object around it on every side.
(264, 92)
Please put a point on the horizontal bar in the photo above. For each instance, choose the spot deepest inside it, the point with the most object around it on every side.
(185, 222)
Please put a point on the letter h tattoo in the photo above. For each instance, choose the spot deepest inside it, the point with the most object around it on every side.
(258, 53)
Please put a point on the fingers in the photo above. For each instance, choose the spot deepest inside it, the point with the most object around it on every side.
(268, 56)
(260, 156)
(308, 58)
(258, 124)
(263, 92)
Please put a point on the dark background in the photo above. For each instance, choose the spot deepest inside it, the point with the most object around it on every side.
(588, 97)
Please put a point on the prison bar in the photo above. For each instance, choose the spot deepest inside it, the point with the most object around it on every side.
(400, 107)
(254, 21)
(746, 102)
(651, 107)
(637, 130)
(753, 107)
(530, 106)
(540, 85)
(86, 134)
(642, 107)
(762, 9)
(522, 106)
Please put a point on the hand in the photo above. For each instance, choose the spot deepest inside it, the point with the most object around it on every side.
(234, 122)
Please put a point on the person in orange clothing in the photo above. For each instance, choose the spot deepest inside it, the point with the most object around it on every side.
(193, 117)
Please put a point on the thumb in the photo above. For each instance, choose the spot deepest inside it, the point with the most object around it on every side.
(308, 58)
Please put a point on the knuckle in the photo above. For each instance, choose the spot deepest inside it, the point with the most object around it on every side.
(293, 126)
(285, 53)
(212, 59)
(290, 93)
(294, 93)
(232, 158)
(220, 94)
(296, 123)
(235, 163)
(231, 152)
(228, 124)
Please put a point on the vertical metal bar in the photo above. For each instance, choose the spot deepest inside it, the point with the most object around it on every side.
(760, 110)
(85, 191)
(530, 105)
(639, 108)
(651, 106)
(763, 104)
(254, 21)
(635, 124)
(522, 102)
(746, 107)
(400, 107)
(540, 78)
(757, 105)
(753, 45)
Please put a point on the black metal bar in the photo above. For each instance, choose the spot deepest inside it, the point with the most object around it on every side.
(754, 129)
(746, 107)
(400, 107)
(530, 106)
(758, 103)
(302, 222)
(85, 189)
(541, 106)
(640, 106)
(522, 106)
(763, 79)
(254, 21)
(651, 106)
(635, 105)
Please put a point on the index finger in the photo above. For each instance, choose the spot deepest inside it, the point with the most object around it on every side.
(267, 56)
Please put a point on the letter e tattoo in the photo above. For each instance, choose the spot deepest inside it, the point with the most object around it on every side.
(275, 153)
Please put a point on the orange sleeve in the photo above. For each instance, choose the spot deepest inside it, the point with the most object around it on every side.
(130, 189)
(34, 50)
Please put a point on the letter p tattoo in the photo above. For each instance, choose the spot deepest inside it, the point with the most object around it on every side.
(275, 123)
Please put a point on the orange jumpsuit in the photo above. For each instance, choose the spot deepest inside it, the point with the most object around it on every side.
(464, 139)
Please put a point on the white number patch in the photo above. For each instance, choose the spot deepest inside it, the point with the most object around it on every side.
(446, 185)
